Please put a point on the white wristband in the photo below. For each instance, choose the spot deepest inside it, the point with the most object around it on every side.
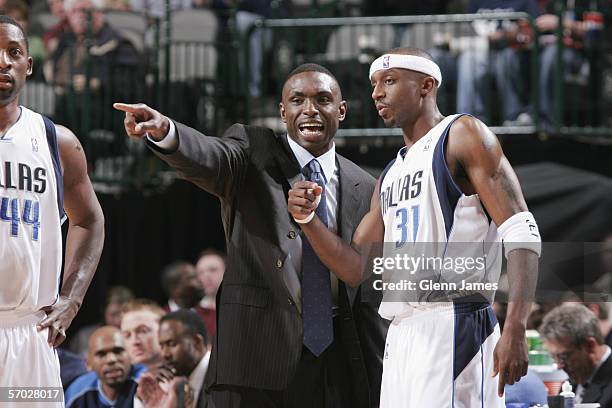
(311, 215)
(305, 220)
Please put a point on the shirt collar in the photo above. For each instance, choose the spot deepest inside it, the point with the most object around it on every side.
(196, 378)
(327, 160)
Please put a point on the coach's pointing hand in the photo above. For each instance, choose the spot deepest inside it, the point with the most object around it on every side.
(141, 120)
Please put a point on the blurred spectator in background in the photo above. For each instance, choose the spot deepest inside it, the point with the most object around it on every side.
(572, 336)
(498, 51)
(210, 269)
(182, 286)
(53, 34)
(140, 327)
(107, 51)
(185, 291)
(116, 297)
(582, 17)
(185, 350)
(18, 10)
(246, 13)
(113, 380)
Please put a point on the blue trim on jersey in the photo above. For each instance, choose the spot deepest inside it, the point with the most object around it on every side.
(57, 165)
(448, 192)
(474, 323)
(386, 170)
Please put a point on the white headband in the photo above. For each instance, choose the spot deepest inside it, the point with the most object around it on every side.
(411, 62)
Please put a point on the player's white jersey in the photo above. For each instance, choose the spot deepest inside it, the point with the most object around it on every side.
(423, 212)
(31, 211)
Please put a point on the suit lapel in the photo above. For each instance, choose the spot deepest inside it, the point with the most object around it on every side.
(287, 162)
(348, 205)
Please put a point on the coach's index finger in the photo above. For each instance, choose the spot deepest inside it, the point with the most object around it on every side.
(134, 108)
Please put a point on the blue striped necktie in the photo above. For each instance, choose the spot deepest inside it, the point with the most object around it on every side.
(316, 286)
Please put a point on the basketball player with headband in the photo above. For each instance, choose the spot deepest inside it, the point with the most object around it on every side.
(450, 183)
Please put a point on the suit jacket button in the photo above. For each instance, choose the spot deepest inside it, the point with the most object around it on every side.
(290, 301)
(291, 234)
(279, 263)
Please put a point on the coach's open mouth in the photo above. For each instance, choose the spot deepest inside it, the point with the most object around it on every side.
(311, 128)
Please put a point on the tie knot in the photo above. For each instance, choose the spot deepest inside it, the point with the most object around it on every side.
(316, 172)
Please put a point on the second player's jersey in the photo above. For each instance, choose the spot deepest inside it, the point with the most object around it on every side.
(31, 212)
(427, 216)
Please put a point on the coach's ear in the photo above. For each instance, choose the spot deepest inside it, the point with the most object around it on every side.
(281, 109)
(342, 110)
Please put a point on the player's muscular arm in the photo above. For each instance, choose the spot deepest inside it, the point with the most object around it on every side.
(479, 153)
(348, 262)
(85, 235)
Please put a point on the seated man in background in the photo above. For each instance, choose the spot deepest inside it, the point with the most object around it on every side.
(186, 353)
(572, 336)
(140, 326)
(113, 380)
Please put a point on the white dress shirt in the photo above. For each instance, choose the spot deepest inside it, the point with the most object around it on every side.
(196, 378)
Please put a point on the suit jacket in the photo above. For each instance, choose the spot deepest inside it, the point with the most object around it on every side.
(259, 325)
(600, 388)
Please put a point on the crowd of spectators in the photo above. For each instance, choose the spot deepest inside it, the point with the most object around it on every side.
(142, 354)
(487, 76)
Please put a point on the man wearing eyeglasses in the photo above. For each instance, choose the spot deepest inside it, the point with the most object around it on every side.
(572, 336)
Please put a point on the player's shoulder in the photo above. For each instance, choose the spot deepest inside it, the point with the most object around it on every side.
(469, 127)
(469, 132)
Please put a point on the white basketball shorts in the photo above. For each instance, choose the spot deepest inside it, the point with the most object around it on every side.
(27, 359)
(442, 357)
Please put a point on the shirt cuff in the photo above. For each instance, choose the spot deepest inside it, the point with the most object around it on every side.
(170, 142)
